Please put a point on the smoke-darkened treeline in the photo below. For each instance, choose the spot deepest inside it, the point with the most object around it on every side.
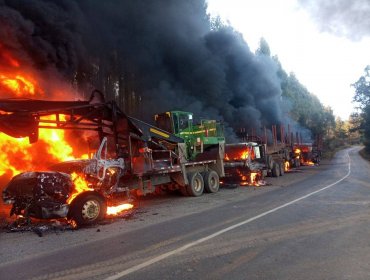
(156, 55)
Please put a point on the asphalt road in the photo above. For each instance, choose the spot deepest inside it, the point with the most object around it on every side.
(316, 228)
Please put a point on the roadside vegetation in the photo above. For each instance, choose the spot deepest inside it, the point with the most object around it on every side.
(361, 119)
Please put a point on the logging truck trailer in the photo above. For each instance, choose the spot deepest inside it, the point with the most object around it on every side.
(278, 158)
(133, 158)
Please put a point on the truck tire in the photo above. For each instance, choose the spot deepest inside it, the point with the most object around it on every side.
(282, 168)
(275, 170)
(211, 181)
(196, 184)
(87, 208)
(269, 162)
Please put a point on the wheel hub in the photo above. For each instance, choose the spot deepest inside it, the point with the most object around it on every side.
(90, 210)
(197, 185)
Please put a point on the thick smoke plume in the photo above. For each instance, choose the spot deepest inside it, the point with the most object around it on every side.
(163, 52)
(341, 17)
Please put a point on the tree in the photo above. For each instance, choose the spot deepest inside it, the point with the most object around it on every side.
(362, 97)
(362, 89)
(355, 123)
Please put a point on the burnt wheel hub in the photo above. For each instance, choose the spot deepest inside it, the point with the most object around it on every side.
(90, 210)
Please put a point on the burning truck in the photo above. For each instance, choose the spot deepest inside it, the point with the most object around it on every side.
(242, 161)
(75, 189)
(133, 158)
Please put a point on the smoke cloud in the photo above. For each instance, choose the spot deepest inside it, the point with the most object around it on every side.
(341, 17)
(165, 50)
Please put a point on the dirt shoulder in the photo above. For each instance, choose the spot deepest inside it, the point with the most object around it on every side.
(149, 210)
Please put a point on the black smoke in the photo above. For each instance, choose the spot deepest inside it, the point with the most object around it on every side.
(163, 52)
(341, 17)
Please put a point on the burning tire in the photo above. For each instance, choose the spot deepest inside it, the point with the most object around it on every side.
(196, 184)
(211, 181)
(275, 170)
(88, 208)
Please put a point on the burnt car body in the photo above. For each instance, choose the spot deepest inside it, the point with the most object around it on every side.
(46, 194)
(39, 194)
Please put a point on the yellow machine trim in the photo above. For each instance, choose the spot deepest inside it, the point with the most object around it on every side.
(165, 135)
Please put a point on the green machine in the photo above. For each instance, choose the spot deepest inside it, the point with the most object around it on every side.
(198, 137)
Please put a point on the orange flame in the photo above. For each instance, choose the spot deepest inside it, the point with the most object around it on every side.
(286, 166)
(11, 61)
(244, 155)
(115, 210)
(19, 155)
(253, 178)
(18, 84)
(7, 57)
(80, 185)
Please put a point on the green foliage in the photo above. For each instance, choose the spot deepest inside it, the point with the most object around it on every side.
(362, 97)
(366, 127)
(305, 108)
(362, 89)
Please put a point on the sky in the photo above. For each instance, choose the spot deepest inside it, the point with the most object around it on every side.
(326, 47)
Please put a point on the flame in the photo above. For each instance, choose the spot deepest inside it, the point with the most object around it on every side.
(309, 163)
(115, 210)
(19, 155)
(244, 155)
(80, 185)
(240, 156)
(8, 58)
(253, 178)
(18, 84)
(14, 81)
(286, 166)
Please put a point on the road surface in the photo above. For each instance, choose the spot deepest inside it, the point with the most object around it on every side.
(315, 228)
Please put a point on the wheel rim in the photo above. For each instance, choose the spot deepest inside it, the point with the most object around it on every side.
(212, 182)
(90, 210)
(197, 185)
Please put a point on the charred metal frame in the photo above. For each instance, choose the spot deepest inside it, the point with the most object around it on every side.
(23, 117)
